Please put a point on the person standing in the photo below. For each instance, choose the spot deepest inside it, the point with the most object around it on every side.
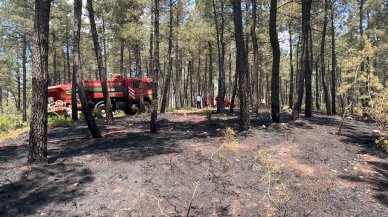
(199, 101)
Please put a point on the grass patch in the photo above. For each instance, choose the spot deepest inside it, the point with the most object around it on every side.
(60, 121)
(13, 134)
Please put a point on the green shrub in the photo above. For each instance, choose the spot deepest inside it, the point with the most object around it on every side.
(60, 121)
(9, 122)
(382, 141)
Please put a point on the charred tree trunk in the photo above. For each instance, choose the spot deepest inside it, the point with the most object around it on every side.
(169, 73)
(93, 128)
(156, 65)
(69, 79)
(255, 59)
(122, 46)
(211, 89)
(333, 63)
(18, 80)
(140, 73)
(55, 71)
(305, 67)
(323, 45)
(38, 125)
(221, 54)
(24, 66)
(100, 64)
(234, 93)
(275, 81)
(291, 93)
(242, 66)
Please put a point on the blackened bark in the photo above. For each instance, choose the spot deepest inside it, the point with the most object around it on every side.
(291, 93)
(242, 66)
(24, 66)
(255, 46)
(140, 71)
(211, 89)
(18, 80)
(154, 107)
(169, 73)
(275, 80)
(122, 46)
(304, 70)
(234, 92)
(323, 45)
(221, 54)
(333, 63)
(100, 64)
(93, 128)
(38, 125)
(76, 39)
(55, 71)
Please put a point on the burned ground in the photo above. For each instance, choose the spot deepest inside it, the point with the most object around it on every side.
(301, 168)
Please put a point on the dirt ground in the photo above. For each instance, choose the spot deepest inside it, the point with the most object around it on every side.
(301, 168)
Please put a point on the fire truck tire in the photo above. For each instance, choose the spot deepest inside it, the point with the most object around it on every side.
(130, 111)
(100, 111)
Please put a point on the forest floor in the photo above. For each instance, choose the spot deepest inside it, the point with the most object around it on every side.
(301, 168)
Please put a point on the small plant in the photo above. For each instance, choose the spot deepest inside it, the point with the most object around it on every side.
(382, 141)
(60, 121)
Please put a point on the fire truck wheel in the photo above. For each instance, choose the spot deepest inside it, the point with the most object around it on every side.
(101, 111)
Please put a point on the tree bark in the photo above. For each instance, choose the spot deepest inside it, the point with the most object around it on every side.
(333, 63)
(169, 73)
(24, 66)
(18, 80)
(255, 73)
(38, 125)
(122, 46)
(221, 54)
(242, 66)
(291, 93)
(323, 45)
(304, 70)
(275, 80)
(211, 89)
(100, 64)
(156, 65)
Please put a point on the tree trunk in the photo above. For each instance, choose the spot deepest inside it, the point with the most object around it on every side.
(140, 71)
(100, 64)
(234, 93)
(317, 90)
(221, 54)
(156, 65)
(291, 93)
(255, 59)
(333, 63)
(323, 45)
(18, 80)
(275, 80)
(69, 79)
(304, 68)
(104, 44)
(38, 125)
(242, 66)
(308, 64)
(211, 89)
(55, 72)
(122, 46)
(24, 65)
(169, 73)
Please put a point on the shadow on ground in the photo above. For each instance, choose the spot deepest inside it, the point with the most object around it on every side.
(42, 186)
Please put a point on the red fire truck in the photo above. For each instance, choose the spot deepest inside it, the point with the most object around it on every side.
(124, 94)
